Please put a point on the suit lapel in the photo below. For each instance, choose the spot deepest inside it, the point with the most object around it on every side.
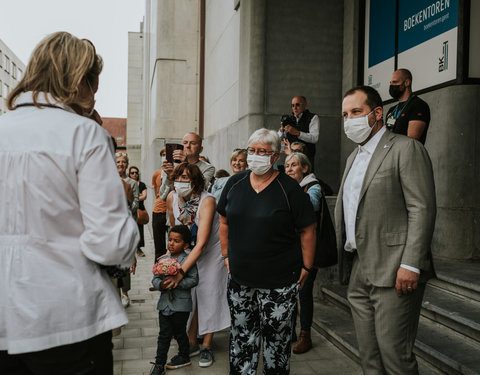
(383, 148)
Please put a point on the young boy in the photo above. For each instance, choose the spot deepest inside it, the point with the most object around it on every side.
(174, 312)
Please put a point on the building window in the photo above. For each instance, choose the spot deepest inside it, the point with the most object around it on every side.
(7, 64)
(1, 58)
(6, 90)
(1, 91)
(14, 70)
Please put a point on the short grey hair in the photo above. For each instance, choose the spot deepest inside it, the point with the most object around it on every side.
(299, 144)
(302, 159)
(270, 137)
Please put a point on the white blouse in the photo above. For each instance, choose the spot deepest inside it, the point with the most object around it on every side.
(63, 212)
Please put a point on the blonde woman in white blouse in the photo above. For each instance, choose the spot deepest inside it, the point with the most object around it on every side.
(63, 215)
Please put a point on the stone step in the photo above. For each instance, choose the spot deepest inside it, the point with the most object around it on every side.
(436, 343)
(334, 323)
(458, 277)
(457, 312)
(446, 349)
(452, 310)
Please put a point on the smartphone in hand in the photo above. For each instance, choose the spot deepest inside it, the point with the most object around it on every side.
(169, 148)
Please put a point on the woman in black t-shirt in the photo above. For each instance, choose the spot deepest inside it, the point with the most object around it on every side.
(134, 174)
(267, 235)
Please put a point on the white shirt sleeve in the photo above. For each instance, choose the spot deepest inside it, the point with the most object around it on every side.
(314, 129)
(111, 234)
(165, 187)
(410, 268)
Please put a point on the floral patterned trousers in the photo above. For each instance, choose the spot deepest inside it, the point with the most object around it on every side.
(260, 313)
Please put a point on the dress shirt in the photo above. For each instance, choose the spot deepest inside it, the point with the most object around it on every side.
(352, 187)
(313, 129)
(63, 212)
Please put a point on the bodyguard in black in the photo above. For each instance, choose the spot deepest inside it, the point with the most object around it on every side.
(411, 116)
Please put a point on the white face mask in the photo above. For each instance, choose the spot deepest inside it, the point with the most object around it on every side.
(259, 164)
(183, 188)
(357, 128)
(164, 159)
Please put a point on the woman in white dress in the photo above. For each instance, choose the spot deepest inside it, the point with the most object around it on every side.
(191, 205)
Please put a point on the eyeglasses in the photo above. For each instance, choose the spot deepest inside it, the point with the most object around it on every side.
(117, 154)
(133, 172)
(258, 151)
(296, 150)
(296, 105)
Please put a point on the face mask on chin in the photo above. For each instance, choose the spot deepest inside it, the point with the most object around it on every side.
(259, 164)
(183, 188)
(395, 91)
(358, 129)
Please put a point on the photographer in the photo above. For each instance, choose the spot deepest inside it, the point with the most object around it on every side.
(303, 126)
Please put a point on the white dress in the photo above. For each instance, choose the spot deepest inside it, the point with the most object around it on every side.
(210, 294)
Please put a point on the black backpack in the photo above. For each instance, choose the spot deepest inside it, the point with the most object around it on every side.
(326, 249)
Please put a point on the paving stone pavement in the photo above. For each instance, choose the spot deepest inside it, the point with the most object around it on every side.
(135, 347)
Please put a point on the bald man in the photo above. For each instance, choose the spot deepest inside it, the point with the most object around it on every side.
(192, 147)
(306, 128)
(411, 116)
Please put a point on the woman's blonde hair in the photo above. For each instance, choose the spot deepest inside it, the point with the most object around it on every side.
(237, 153)
(57, 66)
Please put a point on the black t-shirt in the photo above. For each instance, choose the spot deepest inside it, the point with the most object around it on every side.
(141, 187)
(263, 242)
(412, 109)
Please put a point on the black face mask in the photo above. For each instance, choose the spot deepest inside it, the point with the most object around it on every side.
(395, 91)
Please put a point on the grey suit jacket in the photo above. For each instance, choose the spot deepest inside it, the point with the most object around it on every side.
(396, 211)
(183, 296)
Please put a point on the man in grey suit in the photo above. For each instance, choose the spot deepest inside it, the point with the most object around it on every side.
(384, 216)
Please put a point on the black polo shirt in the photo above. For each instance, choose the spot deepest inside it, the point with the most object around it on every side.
(413, 108)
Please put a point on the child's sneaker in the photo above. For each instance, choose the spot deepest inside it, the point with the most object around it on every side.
(206, 357)
(157, 369)
(178, 361)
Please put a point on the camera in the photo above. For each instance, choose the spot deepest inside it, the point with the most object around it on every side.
(288, 120)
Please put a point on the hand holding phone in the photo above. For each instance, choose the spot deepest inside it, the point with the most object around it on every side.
(169, 149)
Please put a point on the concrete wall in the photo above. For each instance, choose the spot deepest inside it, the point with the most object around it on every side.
(222, 41)
(285, 49)
(135, 98)
(453, 143)
(174, 74)
(170, 77)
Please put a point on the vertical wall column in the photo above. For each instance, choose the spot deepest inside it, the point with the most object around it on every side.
(252, 64)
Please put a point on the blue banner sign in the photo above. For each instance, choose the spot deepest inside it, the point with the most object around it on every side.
(422, 20)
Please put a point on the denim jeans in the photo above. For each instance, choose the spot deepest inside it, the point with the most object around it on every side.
(306, 303)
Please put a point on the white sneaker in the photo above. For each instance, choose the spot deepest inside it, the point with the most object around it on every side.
(125, 300)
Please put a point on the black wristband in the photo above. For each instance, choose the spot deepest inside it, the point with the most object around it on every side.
(182, 272)
(307, 269)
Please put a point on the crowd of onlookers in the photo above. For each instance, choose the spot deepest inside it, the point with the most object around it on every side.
(230, 250)
(191, 191)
